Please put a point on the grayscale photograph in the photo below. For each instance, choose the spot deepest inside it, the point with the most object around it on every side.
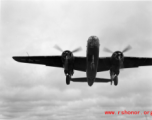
(76, 60)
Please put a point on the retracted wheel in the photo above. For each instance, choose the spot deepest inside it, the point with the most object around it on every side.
(68, 77)
(112, 77)
(116, 80)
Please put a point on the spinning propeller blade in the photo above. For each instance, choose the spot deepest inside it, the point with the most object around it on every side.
(77, 50)
(58, 48)
(107, 50)
(126, 49)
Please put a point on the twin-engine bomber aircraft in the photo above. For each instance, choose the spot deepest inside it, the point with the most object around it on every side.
(91, 64)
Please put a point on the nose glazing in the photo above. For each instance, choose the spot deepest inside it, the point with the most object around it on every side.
(93, 41)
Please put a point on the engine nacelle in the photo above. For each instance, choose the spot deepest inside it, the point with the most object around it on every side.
(117, 59)
(68, 62)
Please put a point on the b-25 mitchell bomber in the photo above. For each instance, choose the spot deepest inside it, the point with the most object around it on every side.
(91, 64)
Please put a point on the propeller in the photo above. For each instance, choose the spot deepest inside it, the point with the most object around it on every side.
(58, 48)
(75, 50)
(107, 50)
(124, 50)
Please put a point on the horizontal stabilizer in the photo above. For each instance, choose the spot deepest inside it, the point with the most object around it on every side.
(84, 79)
(79, 79)
(102, 80)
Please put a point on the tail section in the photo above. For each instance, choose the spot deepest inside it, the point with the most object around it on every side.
(84, 79)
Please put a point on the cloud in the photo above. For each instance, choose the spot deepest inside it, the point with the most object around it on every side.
(37, 92)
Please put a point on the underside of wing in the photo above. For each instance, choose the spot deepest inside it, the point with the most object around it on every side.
(104, 64)
(54, 61)
(131, 62)
(80, 63)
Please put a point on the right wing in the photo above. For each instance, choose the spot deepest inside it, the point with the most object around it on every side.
(54, 61)
(80, 63)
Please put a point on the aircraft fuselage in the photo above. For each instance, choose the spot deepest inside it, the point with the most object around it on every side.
(92, 59)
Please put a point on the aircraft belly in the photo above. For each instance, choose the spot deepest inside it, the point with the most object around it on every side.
(93, 53)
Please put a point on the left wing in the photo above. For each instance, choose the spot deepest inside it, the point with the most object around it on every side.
(54, 61)
(104, 64)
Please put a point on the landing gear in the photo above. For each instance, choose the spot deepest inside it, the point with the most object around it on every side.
(114, 76)
(116, 80)
(68, 78)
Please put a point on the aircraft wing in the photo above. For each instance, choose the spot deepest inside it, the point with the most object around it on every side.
(80, 62)
(54, 61)
(104, 64)
(129, 62)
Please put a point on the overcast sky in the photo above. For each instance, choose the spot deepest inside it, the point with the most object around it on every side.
(36, 92)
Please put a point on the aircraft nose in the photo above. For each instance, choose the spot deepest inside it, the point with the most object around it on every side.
(93, 41)
(93, 38)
